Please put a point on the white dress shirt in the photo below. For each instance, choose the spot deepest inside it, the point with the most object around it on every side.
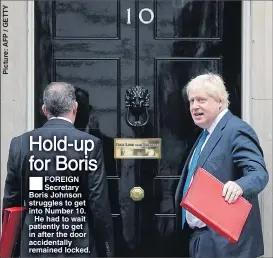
(191, 219)
(60, 117)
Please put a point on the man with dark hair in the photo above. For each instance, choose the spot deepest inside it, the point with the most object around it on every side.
(60, 108)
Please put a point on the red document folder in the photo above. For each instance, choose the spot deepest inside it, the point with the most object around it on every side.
(11, 231)
(205, 201)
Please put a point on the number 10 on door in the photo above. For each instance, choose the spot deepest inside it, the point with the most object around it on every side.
(140, 15)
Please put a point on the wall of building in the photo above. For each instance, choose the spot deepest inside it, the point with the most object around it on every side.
(14, 84)
(261, 100)
(17, 93)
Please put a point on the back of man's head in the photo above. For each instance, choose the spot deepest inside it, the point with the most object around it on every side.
(59, 100)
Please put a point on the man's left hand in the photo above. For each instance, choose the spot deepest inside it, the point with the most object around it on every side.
(231, 191)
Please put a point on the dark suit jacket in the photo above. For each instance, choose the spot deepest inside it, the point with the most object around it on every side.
(92, 186)
(233, 153)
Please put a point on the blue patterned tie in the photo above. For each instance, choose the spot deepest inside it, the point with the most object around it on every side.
(192, 169)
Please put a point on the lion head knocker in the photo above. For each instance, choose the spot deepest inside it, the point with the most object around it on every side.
(137, 102)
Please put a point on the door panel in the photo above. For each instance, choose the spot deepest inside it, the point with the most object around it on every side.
(89, 44)
(92, 20)
(178, 19)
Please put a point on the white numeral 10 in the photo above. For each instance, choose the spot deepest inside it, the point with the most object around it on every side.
(140, 15)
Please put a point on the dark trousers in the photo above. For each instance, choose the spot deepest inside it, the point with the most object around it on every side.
(200, 245)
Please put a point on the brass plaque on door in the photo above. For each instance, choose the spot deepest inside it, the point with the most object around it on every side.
(137, 193)
(143, 148)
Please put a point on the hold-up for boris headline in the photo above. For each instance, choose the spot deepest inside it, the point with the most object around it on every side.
(56, 204)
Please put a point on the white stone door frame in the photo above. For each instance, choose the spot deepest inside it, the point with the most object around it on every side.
(30, 64)
(246, 61)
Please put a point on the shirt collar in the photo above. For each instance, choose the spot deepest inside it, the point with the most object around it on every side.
(62, 118)
(217, 120)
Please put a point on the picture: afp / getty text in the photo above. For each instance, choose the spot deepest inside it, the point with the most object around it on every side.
(5, 39)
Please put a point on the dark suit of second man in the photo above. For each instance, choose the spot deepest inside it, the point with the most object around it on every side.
(88, 221)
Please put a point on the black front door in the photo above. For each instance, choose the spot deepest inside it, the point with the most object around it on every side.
(107, 47)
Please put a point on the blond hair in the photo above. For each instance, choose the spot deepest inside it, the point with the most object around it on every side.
(212, 84)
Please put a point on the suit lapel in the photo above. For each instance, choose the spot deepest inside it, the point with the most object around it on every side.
(213, 140)
(211, 143)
